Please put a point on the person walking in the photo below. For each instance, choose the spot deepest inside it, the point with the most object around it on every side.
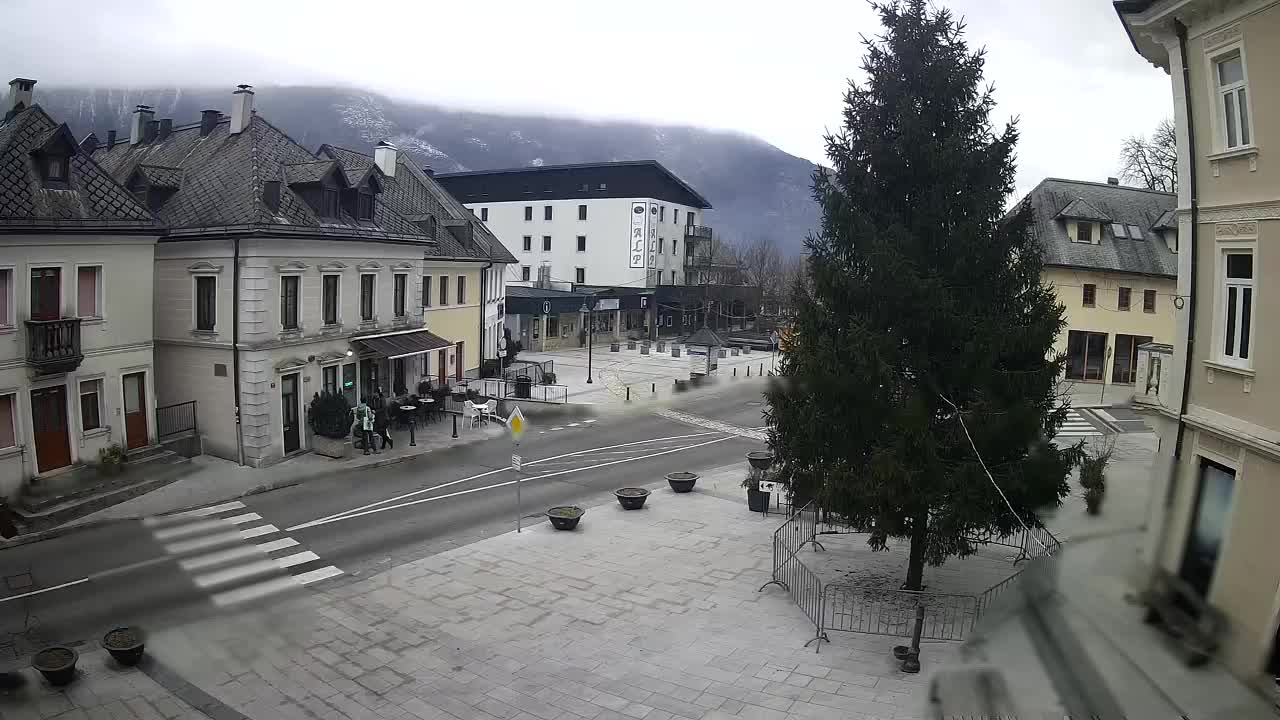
(364, 423)
(382, 421)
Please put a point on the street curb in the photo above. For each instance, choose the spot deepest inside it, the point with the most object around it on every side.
(57, 532)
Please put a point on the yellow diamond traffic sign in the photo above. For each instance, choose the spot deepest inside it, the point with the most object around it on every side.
(516, 423)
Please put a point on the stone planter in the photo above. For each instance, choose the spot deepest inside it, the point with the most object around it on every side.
(614, 347)
(734, 351)
(644, 349)
(760, 459)
(682, 385)
(675, 352)
(722, 352)
(682, 482)
(125, 645)
(331, 447)
(662, 346)
(631, 344)
(110, 469)
(565, 517)
(757, 501)
(57, 664)
(746, 349)
(631, 498)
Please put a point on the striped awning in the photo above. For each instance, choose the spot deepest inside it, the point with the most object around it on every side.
(402, 344)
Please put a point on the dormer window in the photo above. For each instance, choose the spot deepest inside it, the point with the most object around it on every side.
(364, 206)
(56, 168)
(1084, 232)
(329, 203)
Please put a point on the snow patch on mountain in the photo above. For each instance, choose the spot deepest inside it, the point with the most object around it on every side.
(367, 116)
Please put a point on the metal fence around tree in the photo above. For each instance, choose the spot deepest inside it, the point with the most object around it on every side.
(848, 607)
(173, 420)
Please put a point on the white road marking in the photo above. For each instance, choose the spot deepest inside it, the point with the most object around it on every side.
(315, 523)
(275, 545)
(234, 574)
(242, 519)
(556, 428)
(1105, 415)
(258, 531)
(204, 543)
(194, 528)
(198, 512)
(255, 591)
(573, 424)
(305, 556)
(323, 573)
(217, 558)
(44, 590)
(320, 521)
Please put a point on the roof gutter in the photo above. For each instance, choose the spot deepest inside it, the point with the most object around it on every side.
(235, 342)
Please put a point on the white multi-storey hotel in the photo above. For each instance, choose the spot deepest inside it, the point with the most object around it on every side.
(616, 224)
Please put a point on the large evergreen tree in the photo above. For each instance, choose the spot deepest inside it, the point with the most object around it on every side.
(922, 292)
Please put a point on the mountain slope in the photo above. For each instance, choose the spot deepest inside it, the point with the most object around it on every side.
(755, 188)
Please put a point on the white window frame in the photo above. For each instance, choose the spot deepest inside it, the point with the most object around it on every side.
(337, 302)
(13, 420)
(1213, 56)
(102, 408)
(10, 324)
(1220, 309)
(99, 289)
(580, 272)
(280, 296)
(373, 298)
(195, 301)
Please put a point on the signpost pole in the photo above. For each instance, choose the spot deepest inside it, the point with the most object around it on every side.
(515, 464)
(515, 424)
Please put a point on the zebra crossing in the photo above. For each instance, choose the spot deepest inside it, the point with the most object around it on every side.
(234, 555)
(1076, 426)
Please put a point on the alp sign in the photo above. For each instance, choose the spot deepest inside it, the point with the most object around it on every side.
(639, 233)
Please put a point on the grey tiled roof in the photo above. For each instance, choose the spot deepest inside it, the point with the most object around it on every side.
(308, 172)
(165, 177)
(92, 198)
(1080, 209)
(1121, 204)
(416, 196)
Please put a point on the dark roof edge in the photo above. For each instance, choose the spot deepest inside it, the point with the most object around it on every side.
(1092, 268)
(1106, 185)
(706, 205)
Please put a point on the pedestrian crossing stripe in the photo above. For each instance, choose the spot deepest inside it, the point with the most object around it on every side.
(235, 555)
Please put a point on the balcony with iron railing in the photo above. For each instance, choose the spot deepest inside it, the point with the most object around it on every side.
(697, 232)
(53, 346)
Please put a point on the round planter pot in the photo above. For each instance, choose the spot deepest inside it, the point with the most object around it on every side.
(682, 482)
(125, 645)
(757, 501)
(631, 498)
(760, 459)
(57, 664)
(614, 347)
(565, 517)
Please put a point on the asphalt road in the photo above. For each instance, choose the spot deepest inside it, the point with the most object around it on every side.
(339, 528)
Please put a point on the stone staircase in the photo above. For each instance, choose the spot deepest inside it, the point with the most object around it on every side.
(53, 501)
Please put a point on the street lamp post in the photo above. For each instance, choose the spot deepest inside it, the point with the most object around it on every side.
(591, 331)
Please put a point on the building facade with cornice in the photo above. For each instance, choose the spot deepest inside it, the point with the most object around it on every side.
(1214, 395)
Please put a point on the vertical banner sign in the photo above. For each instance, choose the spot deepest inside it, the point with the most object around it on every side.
(639, 233)
(653, 235)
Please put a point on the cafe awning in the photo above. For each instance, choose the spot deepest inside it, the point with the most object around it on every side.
(401, 344)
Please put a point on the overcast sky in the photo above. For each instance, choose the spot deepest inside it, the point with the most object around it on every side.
(775, 70)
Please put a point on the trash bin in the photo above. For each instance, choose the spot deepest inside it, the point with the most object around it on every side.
(524, 385)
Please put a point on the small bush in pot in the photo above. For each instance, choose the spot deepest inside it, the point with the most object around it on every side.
(565, 517)
(57, 664)
(125, 645)
(549, 378)
(111, 459)
(1093, 478)
(330, 415)
(682, 482)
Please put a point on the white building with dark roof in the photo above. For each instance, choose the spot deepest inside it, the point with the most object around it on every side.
(1110, 253)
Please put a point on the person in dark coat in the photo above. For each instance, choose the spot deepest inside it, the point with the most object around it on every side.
(382, 421)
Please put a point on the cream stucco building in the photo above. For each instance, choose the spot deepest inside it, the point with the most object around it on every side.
(76, 249)
(1110, 255)
(1215, 398)
(283, 272)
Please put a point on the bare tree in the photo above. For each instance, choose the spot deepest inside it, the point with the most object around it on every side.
(1152, 163)
(761, 264)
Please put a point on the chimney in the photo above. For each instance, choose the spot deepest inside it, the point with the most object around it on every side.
(1113, 181)
(111, 138)
(241, 108)
(428, 170)
(89, 143)
(142, 115)
(19, 95)
(208, 121)
(150, 131)
(166, 127)
(384, 156)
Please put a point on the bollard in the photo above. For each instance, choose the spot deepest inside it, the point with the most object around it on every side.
(455, 426)
(653, 387)
(735, 372)
(628, 393)
(748, 371)
(761, 373)
(412, 442)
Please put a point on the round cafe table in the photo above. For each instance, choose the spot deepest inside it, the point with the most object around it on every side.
(427, 406)
(409, 410)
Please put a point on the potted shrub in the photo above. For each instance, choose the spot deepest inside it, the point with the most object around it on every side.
(682, 482)
(565, 517)
(549, 378)
(631, 344)
(57, 664)
(615, 347)
(125, 645)
(111, 459)
(330, 418)
(631, 498)
(760, 461)
(1093, 479)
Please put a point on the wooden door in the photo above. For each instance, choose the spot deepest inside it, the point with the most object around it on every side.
(46, 293)
(442, 366)
(49, 425)
(457, 363)
(135, 410)
(289, 413)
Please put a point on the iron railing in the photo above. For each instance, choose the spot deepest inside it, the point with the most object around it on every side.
(877, 611)
(502, 389)
(53, 346)
(699, 232)
(804, 587)
(176, 419)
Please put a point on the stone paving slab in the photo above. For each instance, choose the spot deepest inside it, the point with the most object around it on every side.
(102, 690)
(652, 614)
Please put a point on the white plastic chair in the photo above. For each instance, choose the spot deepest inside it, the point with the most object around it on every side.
(469, 415)
(490, 409)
